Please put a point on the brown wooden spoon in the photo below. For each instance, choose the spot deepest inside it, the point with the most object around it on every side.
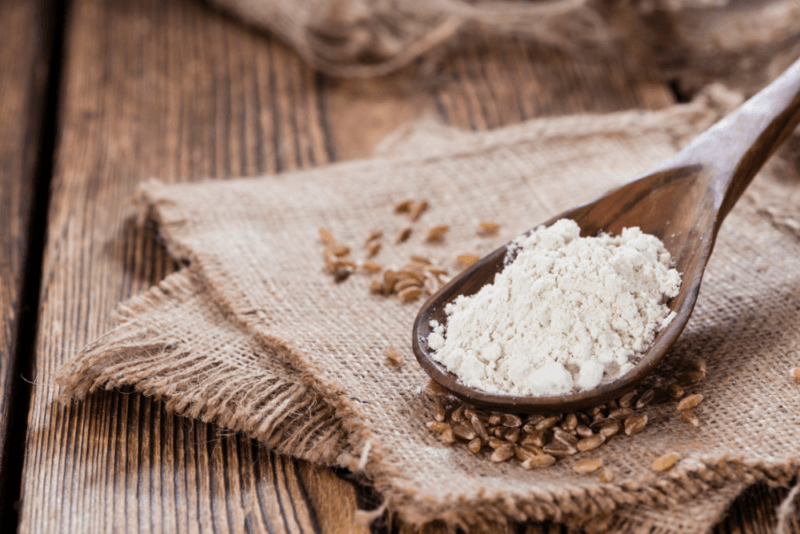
(682, 201)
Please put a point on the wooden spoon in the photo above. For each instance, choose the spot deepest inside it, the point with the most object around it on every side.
(682, 201)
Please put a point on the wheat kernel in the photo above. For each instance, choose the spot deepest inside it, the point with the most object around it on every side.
(438, 426)
(403, 234)
(501, 454)
(439, 413)
(539, 461)
(416, 209)
(663, 463)
(635, 424)
(468, 259)
(488, 227)
(435, 233)
(795, 373)
(326, 236)
(475, 445)
(371, 267)
(410, 293)
(645, 399)
(690, 417)
(394, 356)
(587, 465)
(675, 391)
(403, 206)
(690, 402)
(448, 437)
(590, 443)
(373, 249)
(606, 475)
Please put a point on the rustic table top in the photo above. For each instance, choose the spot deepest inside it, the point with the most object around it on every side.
(98, 95)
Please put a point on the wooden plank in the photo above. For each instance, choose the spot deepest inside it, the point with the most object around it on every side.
(24, 52)
(174, 91)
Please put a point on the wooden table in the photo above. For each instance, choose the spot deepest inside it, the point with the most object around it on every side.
(100, 95)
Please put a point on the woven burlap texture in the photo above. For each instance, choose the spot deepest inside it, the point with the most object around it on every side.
(743, 43)
(255, 336)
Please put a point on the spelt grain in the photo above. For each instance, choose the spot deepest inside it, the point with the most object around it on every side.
(570, 422)
(606, 475)
(338, 250)
(645, 399)
(438, 426)
(448, 437)
(663, 463)
(403, 206)
(510, 420)
(488, 227)
(373, 235)
(635, 424)
(626, 401)
(584, 431)
(464, 431)
(590, 443)
(620, 413)
(690, 402)
(326, 236)
(475, 445)
(539, 461)
(512, 435)
(690, 417)
(587, 465)
(458, 414)
(436, 233)
(501, 454)
(394, 356)
(690, 377)
(371, 267)
(410, 293)
(610, 428)
(795, 373)
(403, 234)
(373, 249)
(439, 413)
(416, 209)
(544, 424)
(468, 259)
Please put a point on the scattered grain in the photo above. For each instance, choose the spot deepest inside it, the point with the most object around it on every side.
(373, 235)
(438, 426)
(416, 209)
(340, 275)
(448, 437)
(439, 413)
(564, 437)
(795, 373)
(403, 234)
(626, 401)
(587, 465)
(512, 435)
(620, 413)
(475, 445)
(590, 443)
(468, 259)
(435, 390)
(464, 431)
(559, 449)
(403, 206)
(338, 250)
(394, 356)
(376, 286)
(525, 452)
(663, 463)
(544, 424)
(645, 399)
(488, 227)
(479, 427)
(584, 431)
(326, 236)
(539, 461)
(501, 454)
(610, 428)
(389, 280)
(410, 293)
(510, 420)
(458, 414)
(570, 422)
(405, 283)
(436, 233)
(495, 443)
(690, 402)
(536, 438)
(700, 365)
(373, 249)
(606, 475)
(371, 267)
(690, 417)
(635, 424)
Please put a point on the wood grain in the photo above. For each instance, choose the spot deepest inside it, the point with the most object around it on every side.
(175, 91)
(23, 72)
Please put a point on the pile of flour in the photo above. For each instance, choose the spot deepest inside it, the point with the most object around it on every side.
(567, 314)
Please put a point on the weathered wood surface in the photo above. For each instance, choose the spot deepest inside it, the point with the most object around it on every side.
(174, 91)
(23, 72)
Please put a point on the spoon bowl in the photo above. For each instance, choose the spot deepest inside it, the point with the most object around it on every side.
(682, 201)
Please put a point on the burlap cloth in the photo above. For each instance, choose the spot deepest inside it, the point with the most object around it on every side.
(255, 336)
(690, 43)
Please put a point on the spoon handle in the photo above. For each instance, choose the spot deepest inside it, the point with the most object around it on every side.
(732, 151)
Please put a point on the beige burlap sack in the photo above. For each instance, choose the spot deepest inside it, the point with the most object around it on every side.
(257, 337)
(743, 43)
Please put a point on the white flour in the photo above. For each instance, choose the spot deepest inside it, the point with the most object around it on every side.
(567, 314)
